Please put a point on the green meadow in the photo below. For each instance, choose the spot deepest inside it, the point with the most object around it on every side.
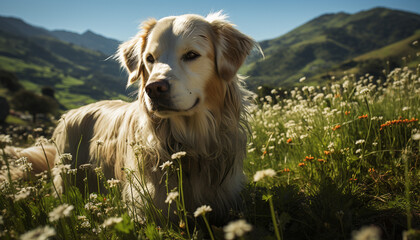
(338, 161)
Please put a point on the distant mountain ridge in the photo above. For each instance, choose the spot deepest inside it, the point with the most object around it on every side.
(79, 75)
(88, 39)
(325, 42)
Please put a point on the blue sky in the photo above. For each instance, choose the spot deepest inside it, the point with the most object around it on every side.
(262, 19)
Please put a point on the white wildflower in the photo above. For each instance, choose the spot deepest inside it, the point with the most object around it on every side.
(364, 90)
(251, 150)
(90, 206)
(178, 155)
(171, 197)
(360, 141)
(38, 129)
(5, 140)
(358, 151)
(41, 141)
(60, 168)
(23, 162)
(236, 229)
(319, 97)
(85, 166)
(303, 136)
(113, 182)
(61, 211)
(39, 233)
(311, 89)
(85, 224)
(111, 221)
(263, 174)
(98, 170)
(202, 210)
(166, 164)
(302, 79)
(331, 146)
(65, 157)
(367, 233)
(93, 196)
(22, 194)
(416, 136)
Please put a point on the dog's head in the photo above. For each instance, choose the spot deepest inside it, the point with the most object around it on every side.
(184, 63)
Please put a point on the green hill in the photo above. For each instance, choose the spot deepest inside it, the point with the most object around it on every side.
(318, 46)
(78, 75)
(401, 53)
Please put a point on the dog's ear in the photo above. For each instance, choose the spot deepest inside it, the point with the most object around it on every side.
(130, 52)
(232, 46)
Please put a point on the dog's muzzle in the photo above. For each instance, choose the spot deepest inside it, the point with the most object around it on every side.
(158, 92)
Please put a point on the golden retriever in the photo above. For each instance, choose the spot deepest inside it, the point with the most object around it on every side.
(189, 99)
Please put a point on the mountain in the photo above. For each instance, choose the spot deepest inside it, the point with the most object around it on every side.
(18, 27)
(326, 42)
(78, 75)
(89, 40)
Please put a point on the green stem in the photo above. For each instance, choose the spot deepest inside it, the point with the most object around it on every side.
(181, 192)
(77, 156)
(49, 172)
(407, 188)
(97, 177)
(273, 218)
(208, 227)
(9, 175)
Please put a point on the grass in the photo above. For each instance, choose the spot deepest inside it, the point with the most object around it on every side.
(331, 162)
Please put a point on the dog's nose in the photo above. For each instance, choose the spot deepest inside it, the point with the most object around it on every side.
(157, 88)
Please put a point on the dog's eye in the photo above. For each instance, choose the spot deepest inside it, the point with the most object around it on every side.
(189, 56)
(150, 58)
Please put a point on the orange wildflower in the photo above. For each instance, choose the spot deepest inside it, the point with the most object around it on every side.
(286, 170)
(337, 95)
(398, 121)
(363, 116)
(371, 170)
(353, 179)
(326, 152)
(289, 140)
(265, 152)
(347, 113)
(301, 164)
(336, 127)
(322, 160)
(308, 158)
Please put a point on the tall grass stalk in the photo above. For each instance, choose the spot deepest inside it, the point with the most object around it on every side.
(273, 217)
(181, 193)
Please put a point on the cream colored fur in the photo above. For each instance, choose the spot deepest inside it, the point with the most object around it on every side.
(207, 120)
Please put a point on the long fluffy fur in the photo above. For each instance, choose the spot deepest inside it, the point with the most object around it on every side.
(117, 135)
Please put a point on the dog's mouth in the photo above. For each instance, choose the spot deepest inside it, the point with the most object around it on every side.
(164, 106)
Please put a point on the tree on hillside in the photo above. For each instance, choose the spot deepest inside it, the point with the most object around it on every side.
(48, 91)
(4, 109)
(26, 100)
(9, 81)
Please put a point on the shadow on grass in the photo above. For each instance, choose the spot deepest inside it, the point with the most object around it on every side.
(329, 212)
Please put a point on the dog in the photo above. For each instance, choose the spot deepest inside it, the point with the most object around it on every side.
(190, 99)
